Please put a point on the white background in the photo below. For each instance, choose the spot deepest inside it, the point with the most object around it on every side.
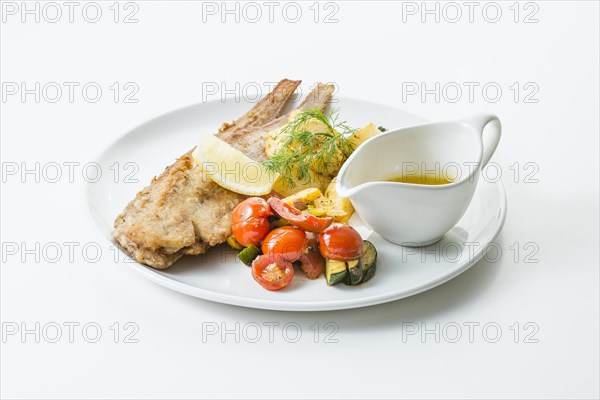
(369, 53)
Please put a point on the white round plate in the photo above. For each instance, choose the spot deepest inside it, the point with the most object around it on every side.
(218, 276)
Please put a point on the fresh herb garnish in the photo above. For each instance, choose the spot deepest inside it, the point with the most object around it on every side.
(382, 129)
(303, 150)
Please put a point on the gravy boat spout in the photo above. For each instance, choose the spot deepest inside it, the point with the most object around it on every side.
(417, 214)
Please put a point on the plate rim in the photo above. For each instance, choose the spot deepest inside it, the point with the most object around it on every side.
(159, 278)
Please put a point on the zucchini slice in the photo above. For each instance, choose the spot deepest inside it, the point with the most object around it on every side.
(335, 271)
(248, 254)
(355, 272)
(368, 260)
(276, 222)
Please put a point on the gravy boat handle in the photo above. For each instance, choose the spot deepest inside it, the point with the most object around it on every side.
(492, 135)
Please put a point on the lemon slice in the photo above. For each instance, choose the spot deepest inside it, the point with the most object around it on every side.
(232, 169)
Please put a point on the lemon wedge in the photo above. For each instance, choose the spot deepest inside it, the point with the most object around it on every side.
(232, 169)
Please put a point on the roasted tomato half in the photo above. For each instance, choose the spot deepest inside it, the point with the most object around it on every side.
(295, 217)
(340, 242)
(250, 221)
(312, 264)
(287, 242)
(272, 273)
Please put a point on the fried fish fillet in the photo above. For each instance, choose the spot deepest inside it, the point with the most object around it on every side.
(183, 211)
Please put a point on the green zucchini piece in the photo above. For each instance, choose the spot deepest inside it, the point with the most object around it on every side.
(355, 272)
(249, 254)
(276, 222)
(368, 260)
(335, 271)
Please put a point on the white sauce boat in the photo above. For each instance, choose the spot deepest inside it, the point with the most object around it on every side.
(419, 214)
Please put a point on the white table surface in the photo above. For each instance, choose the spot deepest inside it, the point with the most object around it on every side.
(550, 289)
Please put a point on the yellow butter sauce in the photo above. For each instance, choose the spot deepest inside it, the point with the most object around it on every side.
(421, 179)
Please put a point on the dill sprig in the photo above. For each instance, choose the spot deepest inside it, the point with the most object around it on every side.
(303, 150)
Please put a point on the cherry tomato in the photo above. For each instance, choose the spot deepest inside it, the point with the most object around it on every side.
(250, 221)
(340, 242)
(272, 273)
(287, 242)
(295, 217)
(312, 264)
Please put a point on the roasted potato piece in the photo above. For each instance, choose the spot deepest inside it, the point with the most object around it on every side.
(306, 196)
(316, 181)
(363, 134)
